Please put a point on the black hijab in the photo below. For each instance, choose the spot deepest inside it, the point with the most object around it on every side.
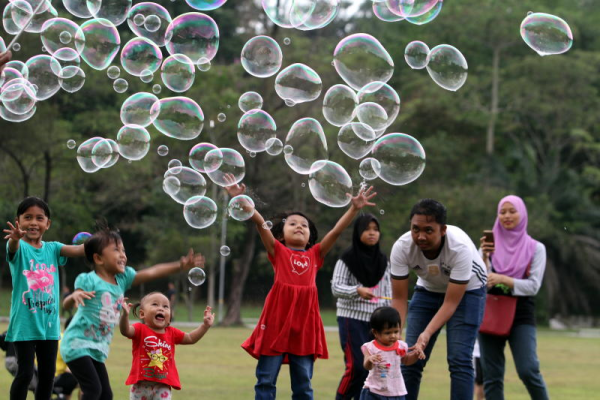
(366, 263)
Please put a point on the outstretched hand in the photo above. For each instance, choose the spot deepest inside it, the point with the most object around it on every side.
(232, 187)
(362, 198)
(14, 232)
(209, 317)
(191, 260)
(126, 307)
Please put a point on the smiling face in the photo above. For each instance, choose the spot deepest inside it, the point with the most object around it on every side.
(34, 222)
(113, 259)
(370, 236)
(155, 311)
(387, 336)
(427, 233)
(509, 216)
(296, 232)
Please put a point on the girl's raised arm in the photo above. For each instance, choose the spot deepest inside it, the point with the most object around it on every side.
(69, 250)
(14, 235)
(161, 270)
(358, 202)
(265, 234)
(125, 327)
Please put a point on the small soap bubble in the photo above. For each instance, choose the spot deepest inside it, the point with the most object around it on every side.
(415, 54)
(287, 149)
(225, 251)
(203, 64)
(147, 76)
(152, 23)
(113, 72)
(156, 89)
(71, 144)
(221, 117)
(81, 237)
(139, 19)
(16, 47)
(252, 154)
(162, 150)
(175, 164)
(120, 85)
(196, 276)
(200, 212)
(241, 208)
(287, 41)
(298, 83)
(261, 57)
(303, 184)
(65, 37)
(274, 146)
(381, 211)
(267, 225)
(447, 67)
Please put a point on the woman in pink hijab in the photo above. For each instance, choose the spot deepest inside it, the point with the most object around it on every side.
(516, 264)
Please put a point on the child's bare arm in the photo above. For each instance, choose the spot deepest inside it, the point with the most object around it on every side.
(77, 298)
(14, 234)
(370, 359)
(161, 270)
(195, 335)
(72, 251)
(125, 327)
(357, 203)
(414, 355)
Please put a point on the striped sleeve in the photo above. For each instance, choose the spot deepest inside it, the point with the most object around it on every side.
(340, 283)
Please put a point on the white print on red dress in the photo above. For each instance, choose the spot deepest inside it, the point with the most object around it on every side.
(300, 263)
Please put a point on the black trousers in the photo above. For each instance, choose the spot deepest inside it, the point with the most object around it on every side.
(27, 351)
(92, 377)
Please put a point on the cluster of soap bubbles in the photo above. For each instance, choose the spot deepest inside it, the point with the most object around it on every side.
(418, 12)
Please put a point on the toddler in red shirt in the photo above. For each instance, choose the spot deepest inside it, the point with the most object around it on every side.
(153, 371)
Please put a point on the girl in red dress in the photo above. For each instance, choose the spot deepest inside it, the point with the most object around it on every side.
(290, 329)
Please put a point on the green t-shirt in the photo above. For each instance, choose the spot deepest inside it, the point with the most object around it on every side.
(36, 292)
(92, 327)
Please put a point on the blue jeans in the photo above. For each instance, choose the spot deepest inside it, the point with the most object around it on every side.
(461, 331)
(523, 345)
(301, 371)
(353, 334)
(365, 394)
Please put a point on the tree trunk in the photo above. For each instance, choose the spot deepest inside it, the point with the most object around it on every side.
(491, 128)
(48, 174)
(24, 173)
(240, 273)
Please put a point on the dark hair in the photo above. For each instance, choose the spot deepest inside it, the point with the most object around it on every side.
(431, 208)
(384, 318)
(101, 239)
(136, 307)
(277, 229)
(32, 201)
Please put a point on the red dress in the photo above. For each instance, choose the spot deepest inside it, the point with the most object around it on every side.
(290, 321)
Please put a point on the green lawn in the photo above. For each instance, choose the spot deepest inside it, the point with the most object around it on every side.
(217, 368)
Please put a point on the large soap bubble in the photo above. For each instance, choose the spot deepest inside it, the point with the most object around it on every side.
(205, 5)
(261, 56)
(250, 101)
(178, 73)
(308, 145)
(198, 153)
(447, 67)
(232, 164)
(428, 16)
(151, 11)
(411, 8)
(199, 212)
(196, 275)
(301, 14)
(401, 157)
(369, 168)
(194, 34)
(43, 73)
(18, 96)
(84, 155)
(383, 12)
(71, 78)
(360, 59)
(384, 95)
(106, 152)
(138, 110)
(140, 55)
(241, 208)
(415, 54)
(356, 139)
(373, 115)
(254, 129)
(133, 141)
(546, 34)
(113, 10)
(98, 42)
(58, 33)
(330, 184)
(298, 83)
(180, 118)
(339, 105)
(189, 183)
(78, 8)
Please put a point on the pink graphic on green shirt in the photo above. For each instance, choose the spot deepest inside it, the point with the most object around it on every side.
(40, 280)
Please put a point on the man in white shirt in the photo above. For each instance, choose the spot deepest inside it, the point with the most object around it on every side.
(450, 291)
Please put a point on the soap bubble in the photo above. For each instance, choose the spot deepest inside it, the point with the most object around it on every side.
(428, 16)
(140, 54)
(411, 8)
(382, 211)
(254, 129)
(274, 146)
(225, 251)
(447, 67)
(46, 13)
(330, 184)
(146, 76)
(415, 54)
(250, 101)
(303, 15)
(120, 85)
(180, 118)
(102, 153)
(196, 276)
(98, 42)
(65, 37)
(71, 144)
(369, 168)
(71, 78)
(241, 208)
(200, 212)
(373, 115)
(221, 117)
(298, 83)
(307, 144)
(156, 89)
(18, 96)
(232, 163)
(383, 12)
(113, 10)
(178, 73)
(198, 153)
(144, 17)
(171, 185)
(57, 33)
(205, 5)
(113, 72)
(84, 155)
(138, 109)
(16, 15)
(339, 105)
(287, 41)
(162, 150)
(191, 183)
(134, 142)
(43, 71)
(113, 153)
(267, 225)
(546, 34)
(16, 47)
(402, 158)
(384, 95)
(81, 237)
(77, 8)
(261, 57)
(360, 59)
(203, 64)
(194, 34)
(356, 139)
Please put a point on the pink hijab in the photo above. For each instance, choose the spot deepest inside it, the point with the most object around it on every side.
(514, 248)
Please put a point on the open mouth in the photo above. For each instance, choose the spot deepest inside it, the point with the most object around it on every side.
(159, 317)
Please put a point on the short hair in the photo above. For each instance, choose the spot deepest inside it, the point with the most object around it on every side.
(384, 318)
(135, 310)
(277, 229)
(33, 201)
(431, 208)
(101, 239)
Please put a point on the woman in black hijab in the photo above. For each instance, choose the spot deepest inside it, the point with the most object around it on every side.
(361, 283)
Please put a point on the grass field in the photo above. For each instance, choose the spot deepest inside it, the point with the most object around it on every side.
(217, 368)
